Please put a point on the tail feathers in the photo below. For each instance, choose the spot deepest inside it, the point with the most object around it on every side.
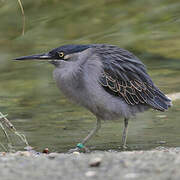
(161, 95)
(160, 101)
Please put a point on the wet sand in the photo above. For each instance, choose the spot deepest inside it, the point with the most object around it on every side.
(161, 163)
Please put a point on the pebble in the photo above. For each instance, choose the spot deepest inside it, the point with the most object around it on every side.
(76, 153)
(90, 173)
(95, 162)
(25, 153)
(28, 148)
(3, 153)
(46, 151)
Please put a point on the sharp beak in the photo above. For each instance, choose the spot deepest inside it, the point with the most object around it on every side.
(35, 57)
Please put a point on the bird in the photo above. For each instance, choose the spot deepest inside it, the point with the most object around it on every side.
(109, 81)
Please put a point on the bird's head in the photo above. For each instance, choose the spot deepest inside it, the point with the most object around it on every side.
(57, 55)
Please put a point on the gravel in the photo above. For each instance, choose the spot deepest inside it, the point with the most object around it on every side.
(157, 164)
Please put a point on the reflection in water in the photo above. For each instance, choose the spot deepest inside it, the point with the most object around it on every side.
(29, 94)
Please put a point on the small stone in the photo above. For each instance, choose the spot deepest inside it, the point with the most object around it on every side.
(95, 162)
(25, 153)
(76, 153)
(3, 153)
(45, 151)
(28, 148)
(90, 173)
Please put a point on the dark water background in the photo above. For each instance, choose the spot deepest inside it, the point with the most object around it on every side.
(28, 94)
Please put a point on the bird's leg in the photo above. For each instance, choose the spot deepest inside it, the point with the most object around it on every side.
(93, 132)
(89, 136)
(124, 135)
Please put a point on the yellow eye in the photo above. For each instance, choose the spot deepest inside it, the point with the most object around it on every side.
(61, 54)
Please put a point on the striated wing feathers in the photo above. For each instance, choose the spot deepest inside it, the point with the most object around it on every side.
(125, 76)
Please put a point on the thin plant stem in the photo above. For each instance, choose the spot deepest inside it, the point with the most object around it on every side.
(10, 126)
(23, 16)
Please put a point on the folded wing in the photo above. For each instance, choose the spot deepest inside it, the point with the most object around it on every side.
(125, 76)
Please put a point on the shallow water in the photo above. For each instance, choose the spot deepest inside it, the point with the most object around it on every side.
(29, 94)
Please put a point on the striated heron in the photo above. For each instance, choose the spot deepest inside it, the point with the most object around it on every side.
(109, 81)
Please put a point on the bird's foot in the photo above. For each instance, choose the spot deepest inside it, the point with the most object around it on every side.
(79, 148)
(124, 147)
